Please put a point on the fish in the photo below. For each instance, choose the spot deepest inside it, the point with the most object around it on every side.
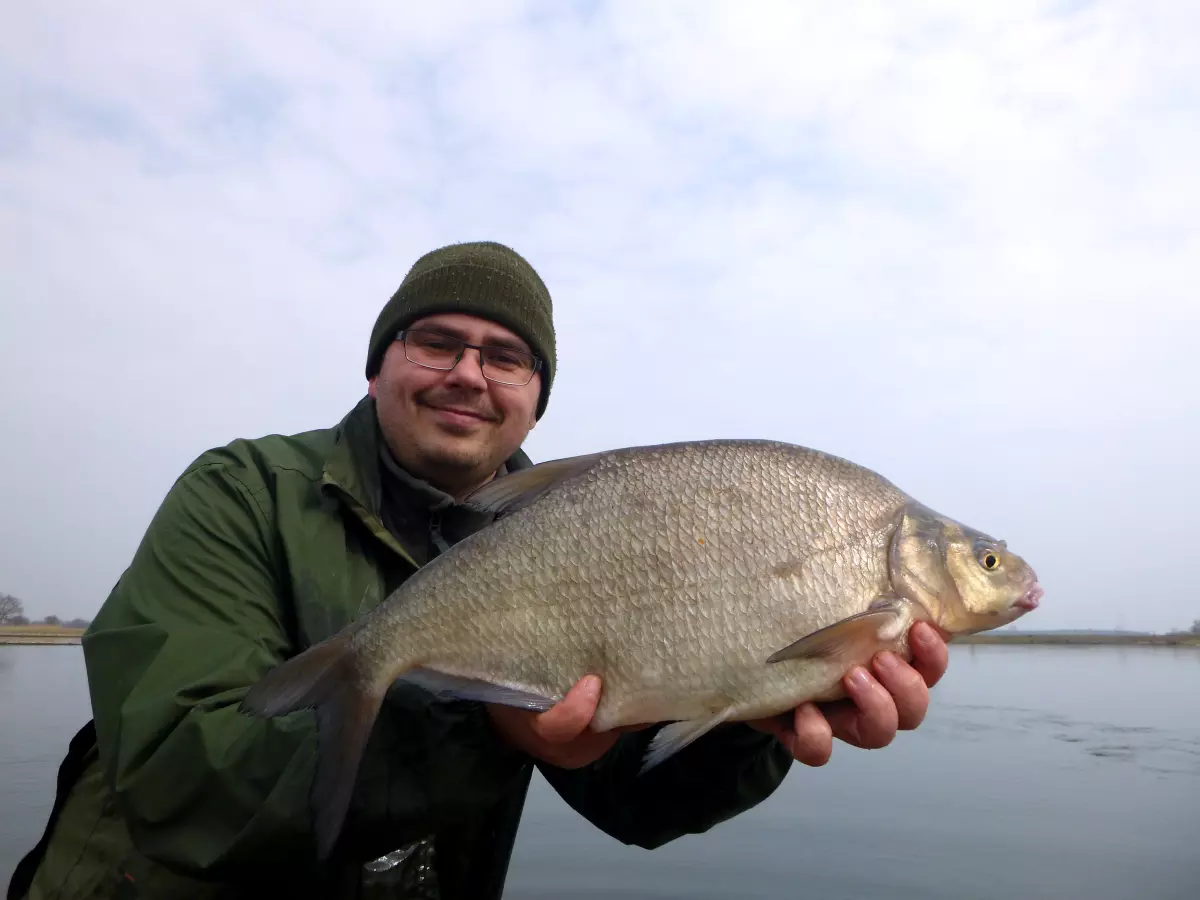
(705, 582)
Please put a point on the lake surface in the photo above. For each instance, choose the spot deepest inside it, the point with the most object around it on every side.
(1055, 772)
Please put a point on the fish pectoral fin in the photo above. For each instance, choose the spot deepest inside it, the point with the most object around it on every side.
(674, 737)
(461, 687)
(852, 638)
(519, 489)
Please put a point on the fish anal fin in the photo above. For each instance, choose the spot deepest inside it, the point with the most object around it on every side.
(324, 677)
(445, 685)
(854, 638)
(519, 489)
(674, 737)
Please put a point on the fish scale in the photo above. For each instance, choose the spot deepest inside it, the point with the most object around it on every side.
(703, 582)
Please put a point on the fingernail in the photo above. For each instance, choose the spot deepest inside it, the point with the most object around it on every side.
(591, 687)
(859, 678)
(924, 636)
(887, 660)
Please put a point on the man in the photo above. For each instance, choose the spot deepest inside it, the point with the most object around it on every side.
(266, 546)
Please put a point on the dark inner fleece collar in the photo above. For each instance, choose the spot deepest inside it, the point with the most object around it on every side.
(424, 519)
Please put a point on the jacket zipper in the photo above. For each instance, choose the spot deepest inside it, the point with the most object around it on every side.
(435, 532)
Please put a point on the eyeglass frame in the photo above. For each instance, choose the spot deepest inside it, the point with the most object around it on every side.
(537, 360)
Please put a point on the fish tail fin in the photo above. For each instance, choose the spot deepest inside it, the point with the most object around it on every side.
(325, 677)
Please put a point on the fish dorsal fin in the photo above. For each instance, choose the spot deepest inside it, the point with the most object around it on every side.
(519, 489)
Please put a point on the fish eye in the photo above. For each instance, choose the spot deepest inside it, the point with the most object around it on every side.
(990, 561)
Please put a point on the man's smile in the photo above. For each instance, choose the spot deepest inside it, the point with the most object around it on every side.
(457, 413)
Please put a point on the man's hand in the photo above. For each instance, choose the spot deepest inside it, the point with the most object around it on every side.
(560, 735)
(896, 699)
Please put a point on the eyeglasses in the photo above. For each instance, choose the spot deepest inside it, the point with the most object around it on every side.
(434, 350)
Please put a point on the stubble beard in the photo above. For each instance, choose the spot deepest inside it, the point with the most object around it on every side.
(450, 462)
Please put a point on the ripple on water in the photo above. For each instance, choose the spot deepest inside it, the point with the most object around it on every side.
(1158, 750)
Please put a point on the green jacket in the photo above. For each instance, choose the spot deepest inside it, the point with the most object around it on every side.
(260, 549)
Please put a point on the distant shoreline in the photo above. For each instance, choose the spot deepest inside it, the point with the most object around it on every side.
(39, 634)
(1080, 639)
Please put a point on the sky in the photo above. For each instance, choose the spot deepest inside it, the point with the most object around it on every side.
(957, 243)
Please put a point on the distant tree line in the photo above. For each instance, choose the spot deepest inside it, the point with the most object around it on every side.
(12, 612)
(1195, 629)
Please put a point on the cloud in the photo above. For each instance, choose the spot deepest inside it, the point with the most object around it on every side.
(954, 242)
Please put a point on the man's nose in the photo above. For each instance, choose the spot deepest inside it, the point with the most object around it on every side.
(469, 371)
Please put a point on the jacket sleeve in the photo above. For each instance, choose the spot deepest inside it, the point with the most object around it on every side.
(201, 613)
(721, 775)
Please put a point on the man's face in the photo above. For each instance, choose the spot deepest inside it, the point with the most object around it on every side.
(455, 428)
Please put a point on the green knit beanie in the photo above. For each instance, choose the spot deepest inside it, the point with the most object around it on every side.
(482, 279)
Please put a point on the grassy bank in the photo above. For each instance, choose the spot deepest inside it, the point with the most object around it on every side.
(39, 634)
(1082, 639)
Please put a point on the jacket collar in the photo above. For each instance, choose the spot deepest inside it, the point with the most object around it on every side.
(352, 465)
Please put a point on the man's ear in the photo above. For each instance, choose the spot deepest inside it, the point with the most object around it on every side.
(371, 385)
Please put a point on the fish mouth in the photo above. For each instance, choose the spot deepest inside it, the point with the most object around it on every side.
(1030, 599)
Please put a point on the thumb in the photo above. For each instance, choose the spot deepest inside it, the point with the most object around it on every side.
(568, 718)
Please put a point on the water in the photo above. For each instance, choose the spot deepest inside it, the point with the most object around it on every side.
(1040, 772)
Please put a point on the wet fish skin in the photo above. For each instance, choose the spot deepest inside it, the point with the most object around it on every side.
(704, 582)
